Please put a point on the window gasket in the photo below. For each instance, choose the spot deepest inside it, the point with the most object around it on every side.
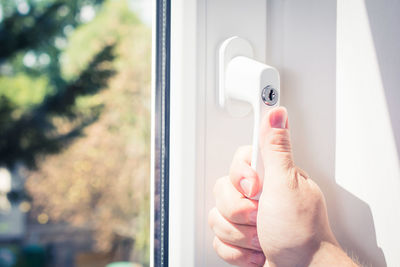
(162, 118)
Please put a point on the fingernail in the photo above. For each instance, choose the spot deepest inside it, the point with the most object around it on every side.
(257, 258)
(246, 186)
(278, 118)
(255, 242)
(253, 217)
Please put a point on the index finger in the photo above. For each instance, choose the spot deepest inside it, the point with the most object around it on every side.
(242, 176)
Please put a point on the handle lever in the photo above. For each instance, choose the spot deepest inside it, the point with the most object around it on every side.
(244, 81)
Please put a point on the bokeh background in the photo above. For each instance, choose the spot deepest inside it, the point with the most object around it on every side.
(74, 132)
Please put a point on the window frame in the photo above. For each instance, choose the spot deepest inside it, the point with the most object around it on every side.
(300, 41)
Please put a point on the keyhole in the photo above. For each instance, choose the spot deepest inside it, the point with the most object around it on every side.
(269, 95)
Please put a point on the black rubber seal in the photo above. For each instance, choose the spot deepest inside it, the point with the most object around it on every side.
(162, 129)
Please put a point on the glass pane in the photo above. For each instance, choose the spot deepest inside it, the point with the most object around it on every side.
(75, 132)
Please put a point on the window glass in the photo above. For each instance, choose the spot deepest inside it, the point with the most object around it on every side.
(75, 132)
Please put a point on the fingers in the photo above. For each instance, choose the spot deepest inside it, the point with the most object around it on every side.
(232, 205)
(234, 218)
(244, 236)
(242, 176)
(238, 256)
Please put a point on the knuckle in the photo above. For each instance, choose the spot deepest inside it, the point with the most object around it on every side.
(242, 169)
(233, 213)
(226, 254)
(230, 205)
(279, 140)
(239, 239)
(234, 236)
(233, 257)
(237, 212)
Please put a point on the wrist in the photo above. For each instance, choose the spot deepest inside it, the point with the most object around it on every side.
(321, 253)
(330, 254)
(296, 256)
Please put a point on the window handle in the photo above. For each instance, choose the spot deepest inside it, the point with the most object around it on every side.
(247, 85)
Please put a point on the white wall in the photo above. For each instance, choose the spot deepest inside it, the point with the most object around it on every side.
(367, 125)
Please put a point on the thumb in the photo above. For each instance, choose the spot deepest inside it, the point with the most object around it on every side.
(275, 144)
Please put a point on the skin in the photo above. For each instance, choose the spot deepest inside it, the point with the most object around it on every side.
(289, 224)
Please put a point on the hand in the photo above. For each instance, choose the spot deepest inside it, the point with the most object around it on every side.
(233, 220)
(292, 221)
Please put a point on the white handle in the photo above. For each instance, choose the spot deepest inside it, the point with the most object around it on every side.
(250, 81)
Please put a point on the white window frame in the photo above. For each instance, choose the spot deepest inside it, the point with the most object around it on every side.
(193, 64)
(310, 64)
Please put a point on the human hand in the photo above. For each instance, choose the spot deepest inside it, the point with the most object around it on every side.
(292, 221)
(233, 220)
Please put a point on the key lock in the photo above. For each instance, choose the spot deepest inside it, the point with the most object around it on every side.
(247, 85)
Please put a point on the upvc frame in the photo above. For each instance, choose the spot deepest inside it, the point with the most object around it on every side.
(187, 124)
(197, 29)
(305, 47)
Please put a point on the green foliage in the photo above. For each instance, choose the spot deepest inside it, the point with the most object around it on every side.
(75, 107)
(24, 91)
(91, 36)
(27, 135)
(32, 87)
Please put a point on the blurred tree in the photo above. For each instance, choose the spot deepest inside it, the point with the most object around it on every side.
(100, 181)
(32, 38)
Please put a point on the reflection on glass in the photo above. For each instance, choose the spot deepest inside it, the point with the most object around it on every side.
(74, 133)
